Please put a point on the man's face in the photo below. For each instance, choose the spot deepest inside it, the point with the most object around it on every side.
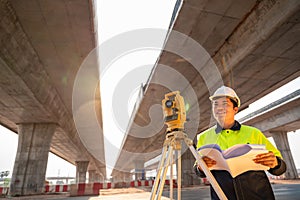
(223, 110)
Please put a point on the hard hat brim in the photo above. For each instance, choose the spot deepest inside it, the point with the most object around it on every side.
(231, 97)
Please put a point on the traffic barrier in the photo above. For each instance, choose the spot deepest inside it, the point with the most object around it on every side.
(3, 191)
(205, 181)
(97, 187)
(82, 189)
(56, 188)
(167, 182)
(142, 183)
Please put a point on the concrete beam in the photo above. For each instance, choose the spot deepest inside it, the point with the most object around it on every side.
(31, 160)
(249, 43)
(31, 88)
(284, 117)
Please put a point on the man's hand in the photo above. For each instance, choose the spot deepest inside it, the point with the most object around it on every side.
(208, 161)
(267, 159)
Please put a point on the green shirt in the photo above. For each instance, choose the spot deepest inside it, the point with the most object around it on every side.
(227, 138)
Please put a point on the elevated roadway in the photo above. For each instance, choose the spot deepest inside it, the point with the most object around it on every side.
(43, 45)
(281, 115)
(274, 120)
(255, 48)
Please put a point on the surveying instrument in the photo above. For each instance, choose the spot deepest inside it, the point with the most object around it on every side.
(175, 117)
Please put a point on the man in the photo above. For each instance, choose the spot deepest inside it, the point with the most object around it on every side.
(228, 132)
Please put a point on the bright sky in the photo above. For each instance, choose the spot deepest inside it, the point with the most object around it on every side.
(117, 17)
(114, 18)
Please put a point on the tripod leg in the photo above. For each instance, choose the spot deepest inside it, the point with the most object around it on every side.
(179, 174)
(163, 178)
(171, 178)
(159, 170)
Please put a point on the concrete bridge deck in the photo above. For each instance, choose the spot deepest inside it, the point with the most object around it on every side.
(43, 45)
(255, 51)
(253, 44)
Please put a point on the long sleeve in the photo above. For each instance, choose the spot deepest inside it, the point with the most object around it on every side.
(198, 171)
(279, 169)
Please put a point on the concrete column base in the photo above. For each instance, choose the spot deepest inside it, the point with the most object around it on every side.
(99, 178)
(283, 146)
(188, 177)
(92, 176)
(140, 173)
(81, 169)
(32, 157)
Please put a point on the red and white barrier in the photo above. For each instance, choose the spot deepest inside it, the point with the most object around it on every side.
(3, 190)
(57, 188)
(82, 189)
(205, 181)
(141, 183)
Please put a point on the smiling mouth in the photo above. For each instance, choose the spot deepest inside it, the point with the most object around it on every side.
(221, 114)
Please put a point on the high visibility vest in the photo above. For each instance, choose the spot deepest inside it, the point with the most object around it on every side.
(227, 138)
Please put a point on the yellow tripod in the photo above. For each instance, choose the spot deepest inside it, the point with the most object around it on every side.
(173, 142)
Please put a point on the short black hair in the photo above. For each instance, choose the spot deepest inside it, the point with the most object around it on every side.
(234, 102)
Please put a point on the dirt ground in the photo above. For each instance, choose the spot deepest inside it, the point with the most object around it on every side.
(122, 193)
(104, 192)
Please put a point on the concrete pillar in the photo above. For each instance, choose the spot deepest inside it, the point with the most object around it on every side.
(81, 169)
(139, 172)
(283, 146)
(188, 176)
(143, 174)
(102, 173)
(123, 177)
(32, 157)
(92, 176)
(99, 178)
(116, 178)
(127, 176)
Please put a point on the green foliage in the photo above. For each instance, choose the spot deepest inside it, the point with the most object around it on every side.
(6, 182)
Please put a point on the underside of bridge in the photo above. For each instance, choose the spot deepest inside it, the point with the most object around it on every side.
(252, 46)
(43, 47)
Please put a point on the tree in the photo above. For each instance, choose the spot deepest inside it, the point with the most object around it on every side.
(4, 174)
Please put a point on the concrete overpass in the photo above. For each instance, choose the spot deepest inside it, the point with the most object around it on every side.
(274, 120)
(255, 48)
(43, 44)
(281, 115)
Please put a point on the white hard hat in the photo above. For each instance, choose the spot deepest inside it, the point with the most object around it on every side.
(224, 91)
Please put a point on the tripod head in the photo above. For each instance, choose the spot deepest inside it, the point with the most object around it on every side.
(174, 111)
(175, 117)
